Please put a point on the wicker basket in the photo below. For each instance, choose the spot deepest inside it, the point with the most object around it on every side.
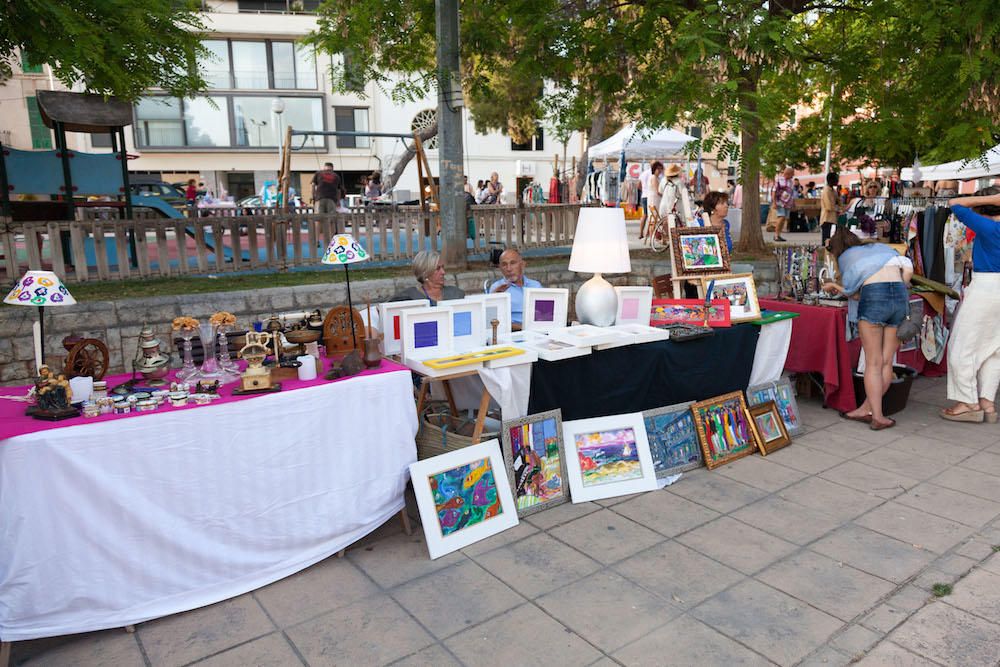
(441, 432)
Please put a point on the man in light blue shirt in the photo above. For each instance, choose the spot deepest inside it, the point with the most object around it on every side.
(513, 282)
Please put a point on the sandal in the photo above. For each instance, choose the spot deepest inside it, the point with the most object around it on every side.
(778, 239)
(866, 419)
(881, 427)
(990, 416)
(967, 415)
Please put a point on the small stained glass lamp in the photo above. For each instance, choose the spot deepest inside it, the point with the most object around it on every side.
(344, 250)
(40, 288)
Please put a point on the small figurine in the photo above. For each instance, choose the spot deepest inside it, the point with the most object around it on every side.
(53, 397)
(495, 323)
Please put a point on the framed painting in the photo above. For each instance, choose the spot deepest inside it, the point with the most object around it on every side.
(536, 461)
(390, 315)
(463, 497)
(771, 433)
(545, 309)
(608, 457)
(689, 311)
(698, 250)
(783, 395)
(468, 324)
(725, 430)
(739, 290)
(633, 305)
(673, 439)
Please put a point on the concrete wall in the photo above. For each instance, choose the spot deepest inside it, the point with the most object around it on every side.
(118, 323)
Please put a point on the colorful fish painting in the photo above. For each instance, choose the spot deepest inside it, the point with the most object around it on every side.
(465, 496)
(608, 456)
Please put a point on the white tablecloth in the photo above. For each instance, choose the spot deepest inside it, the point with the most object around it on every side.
(113, 523)
(772, 348)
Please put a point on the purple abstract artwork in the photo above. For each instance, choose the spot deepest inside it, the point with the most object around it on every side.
(545, 310)
(425, 334)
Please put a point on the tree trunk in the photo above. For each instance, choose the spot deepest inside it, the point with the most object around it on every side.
(751, 234)
(395, 170)
(598, 123)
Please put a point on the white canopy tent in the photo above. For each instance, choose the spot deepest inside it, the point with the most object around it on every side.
(638, 146)
(960, 170)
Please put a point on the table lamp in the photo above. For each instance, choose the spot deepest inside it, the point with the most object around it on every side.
(40, 288)
(343, 249)
(599, 246)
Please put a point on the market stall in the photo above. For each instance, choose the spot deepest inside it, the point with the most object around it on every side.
(112, 520)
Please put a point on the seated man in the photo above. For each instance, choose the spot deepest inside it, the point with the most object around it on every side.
(514, 282)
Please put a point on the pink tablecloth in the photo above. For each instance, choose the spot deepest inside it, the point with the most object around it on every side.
(13, 421)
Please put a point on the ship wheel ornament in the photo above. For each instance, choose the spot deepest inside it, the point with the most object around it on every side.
(88, 357)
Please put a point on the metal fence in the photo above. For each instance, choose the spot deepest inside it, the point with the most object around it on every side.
(108, 248)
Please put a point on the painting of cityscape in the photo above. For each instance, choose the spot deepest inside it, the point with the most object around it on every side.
(673, 440)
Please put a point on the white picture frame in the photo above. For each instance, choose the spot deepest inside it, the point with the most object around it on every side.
(426, 334)
(547, 348)
(637, 334)
(545, 308)
(495, 305)
(743, 307)
(586, 335)
(595, 470)
(391, 322)
(440, 531)
(634, 305)
(468, 323)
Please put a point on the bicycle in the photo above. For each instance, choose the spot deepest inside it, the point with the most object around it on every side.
(657, 232)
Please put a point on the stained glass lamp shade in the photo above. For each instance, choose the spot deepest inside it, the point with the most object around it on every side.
(41, 289)
(344, 250)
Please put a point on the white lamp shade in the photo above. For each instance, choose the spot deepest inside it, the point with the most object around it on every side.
(601, 243)
(343, 249)
(39, 288)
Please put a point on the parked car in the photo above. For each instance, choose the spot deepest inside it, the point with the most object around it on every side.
(142, 187)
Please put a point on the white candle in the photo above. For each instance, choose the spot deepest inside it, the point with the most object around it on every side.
(36, 332)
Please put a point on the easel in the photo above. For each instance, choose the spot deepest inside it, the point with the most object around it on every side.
(677, 284)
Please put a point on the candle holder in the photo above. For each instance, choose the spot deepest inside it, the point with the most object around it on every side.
(187, 370)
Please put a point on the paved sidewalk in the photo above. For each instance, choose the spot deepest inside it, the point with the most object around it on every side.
(823, 553)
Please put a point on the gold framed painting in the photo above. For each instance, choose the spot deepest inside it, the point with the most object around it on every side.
(698, 251)
(770, 427)
(725, 429)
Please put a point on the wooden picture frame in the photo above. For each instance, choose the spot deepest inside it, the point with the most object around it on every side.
(771, 432)
(699, 250)
(741, 292)
(725, 429)
(463, 497)
(537, 479)
(608, 457)
(689, 311)
(782, 393)
(673, 439)
(633, 305)
(545, 309)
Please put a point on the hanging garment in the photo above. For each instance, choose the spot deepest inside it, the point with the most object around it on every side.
(940, 221)
(927, 240)
(554, 194)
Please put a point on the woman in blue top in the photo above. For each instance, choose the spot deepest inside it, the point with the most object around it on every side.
(974, 348)
(876, 276)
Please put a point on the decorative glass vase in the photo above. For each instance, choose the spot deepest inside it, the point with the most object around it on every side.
(226, 362)
(209, 364)
(187, 370)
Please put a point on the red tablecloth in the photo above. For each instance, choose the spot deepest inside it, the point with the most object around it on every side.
(818, 346)
(14, 422)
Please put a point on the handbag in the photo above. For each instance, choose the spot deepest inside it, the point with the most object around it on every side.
(908, 329)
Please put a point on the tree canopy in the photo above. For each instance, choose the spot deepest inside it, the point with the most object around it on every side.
(908, 76)
(113, 47)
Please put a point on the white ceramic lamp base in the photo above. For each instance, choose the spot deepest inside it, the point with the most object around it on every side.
(597, 302)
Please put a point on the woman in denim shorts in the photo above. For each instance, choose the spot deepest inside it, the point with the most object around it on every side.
(876, 277)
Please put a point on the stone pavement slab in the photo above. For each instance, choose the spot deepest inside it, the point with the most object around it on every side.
(888, 654)
(607, 536)
(678, 574)
(787, 520)
(716, 492)
(666, 513)
(271, 650)
(686, 641)
(914, 526)
(864, 477)
(736, 544)
(979, 594)
(107, 647)
(950, 636)
(331, 583)
(762, 473)
(874, 553)
(399, 558)
(950, 504)
(782, 628)
(537, 564)
(836, 500)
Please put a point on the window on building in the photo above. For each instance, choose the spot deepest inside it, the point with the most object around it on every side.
(351, 119)
(158, 122)
(29, 67)
(279, 6)
(250, 65)
(206, 121)
(216, 68)
(102, 140)
(255, 124)
(537, 143)
(41, 136)
(305, 67)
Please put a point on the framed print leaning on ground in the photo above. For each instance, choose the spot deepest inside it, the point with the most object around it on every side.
(463, 497)
(771, 432)
(698, 250)
(536, 461)
(725, 432)
(608, 457)
(673, 440)
(783, 395)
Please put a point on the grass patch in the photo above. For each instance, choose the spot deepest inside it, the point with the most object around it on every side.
(996, 548)
(940, 590)
(125, 289)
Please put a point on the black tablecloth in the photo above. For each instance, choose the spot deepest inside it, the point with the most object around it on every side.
(641, 377)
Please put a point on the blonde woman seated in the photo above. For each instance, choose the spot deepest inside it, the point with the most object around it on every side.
(429, 272)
